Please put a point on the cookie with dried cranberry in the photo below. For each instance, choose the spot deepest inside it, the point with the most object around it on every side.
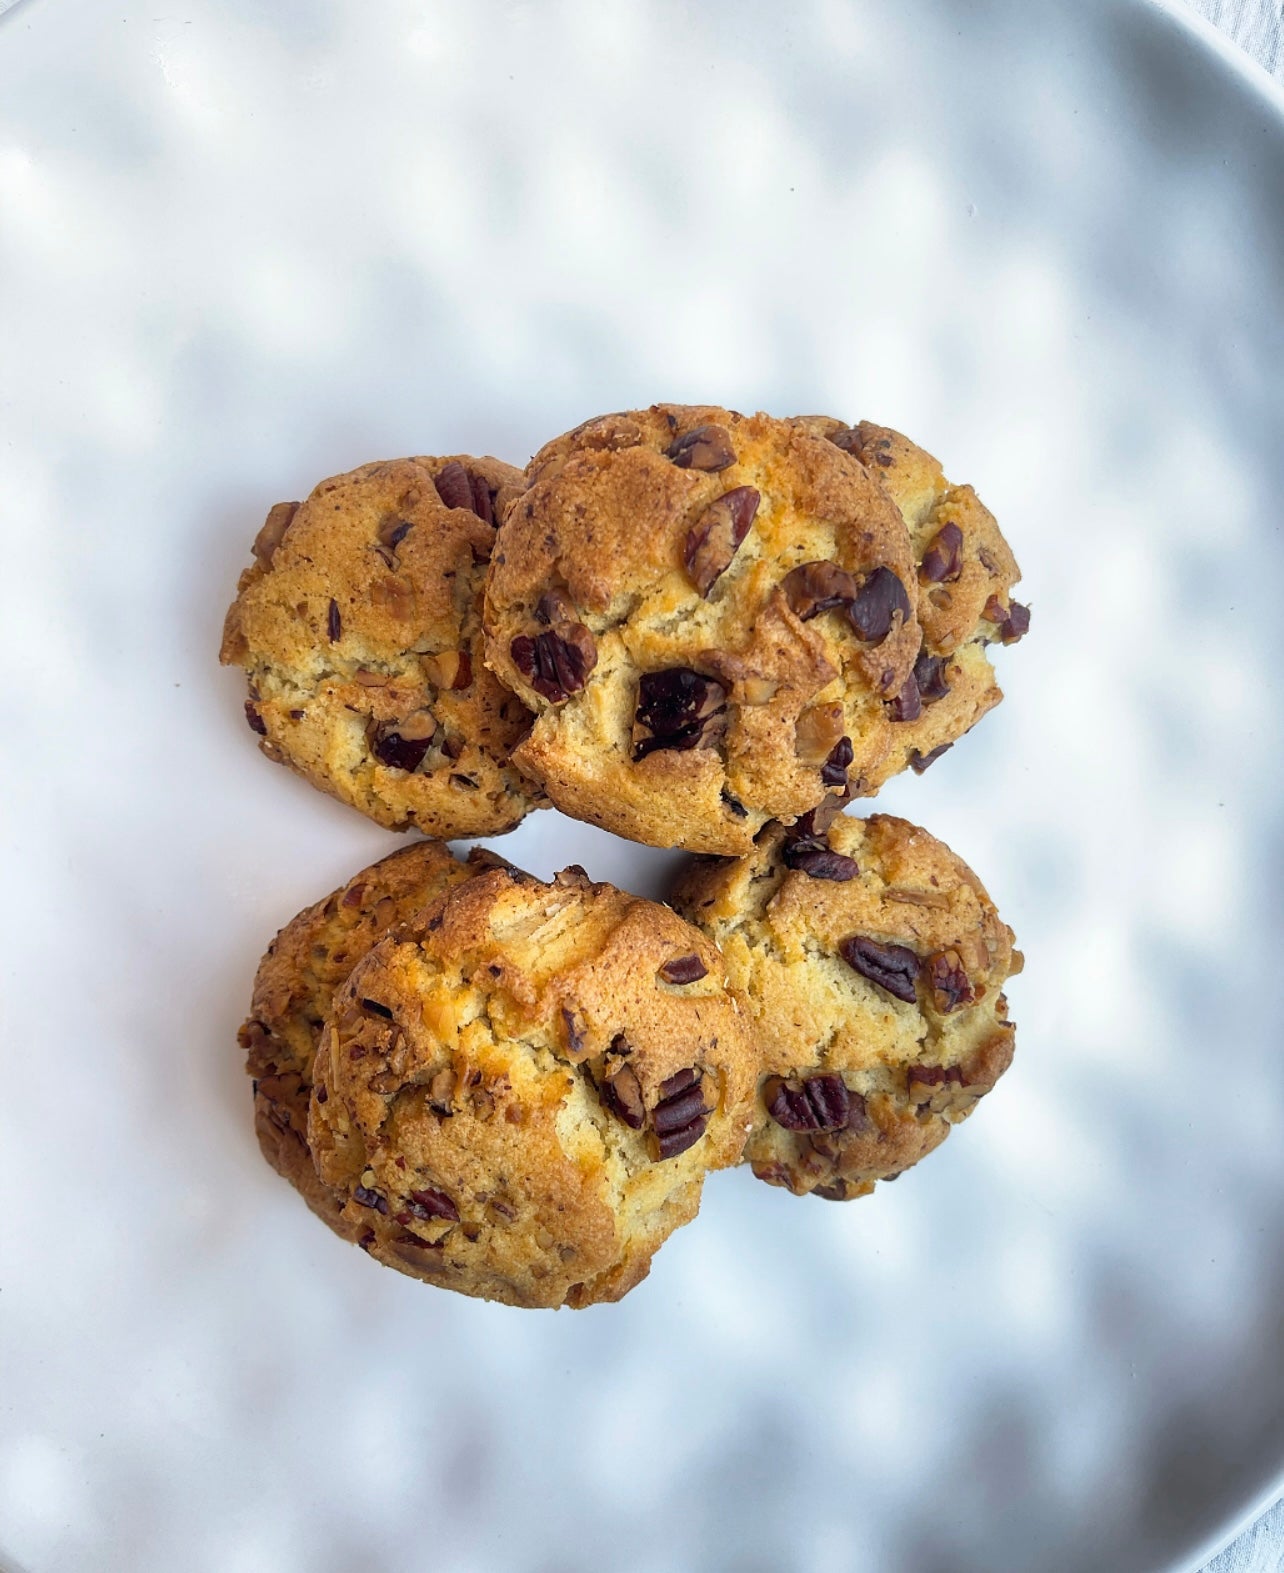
(359, 628)
(965, 572)
(519, 1094)
(872, 963)
(710, 613)
(296, 982)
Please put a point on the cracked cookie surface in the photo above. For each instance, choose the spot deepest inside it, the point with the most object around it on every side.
(965, 571)
(359, 628)
(295, 984)
(872, 964)
(710, 614)
(519, 1094)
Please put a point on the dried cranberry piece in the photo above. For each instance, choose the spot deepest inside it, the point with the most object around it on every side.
(676, 708)
(943, 559)
(683, 969)
(397, 752)
(368, 1198)
(334, 623)
(255, 720)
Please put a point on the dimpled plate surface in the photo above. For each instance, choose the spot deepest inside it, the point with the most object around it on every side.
(246, 245)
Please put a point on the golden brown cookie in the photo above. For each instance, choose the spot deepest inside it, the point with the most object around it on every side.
(965, 571)
(520, 1093)
(710, 613)
(872, 964)
(359, 627)
(295, 983)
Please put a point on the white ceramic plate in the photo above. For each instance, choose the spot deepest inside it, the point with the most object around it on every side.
(246, 245)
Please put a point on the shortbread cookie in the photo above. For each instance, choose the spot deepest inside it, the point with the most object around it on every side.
(295, 983)
(965, 571)
(872, 964)
(359, 627)
(520, 1093)
(710, 614)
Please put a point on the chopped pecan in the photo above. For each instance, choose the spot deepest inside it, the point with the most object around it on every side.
(429, 1203)
(1012, 622)
(815, 858)
(390, 534)
(684, 969)
(834, 771)
(807, 1103)
(715, 537)
(677, 709)
(556, 664)
(814, 588)
(873, 611)
(817, 732)
(681, 1116)
(929, 674)
(279, 519)
(918, 763)
(706, 448)
(450, 669)
(943, 559)
(454, 486)
(622, 1094)
(908, 704)
(951, 987)
(891, 967)
(367, 1197)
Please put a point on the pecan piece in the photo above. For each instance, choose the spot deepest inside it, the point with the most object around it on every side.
(817, 732)
(947, 976)
(1012, 622)
(556, 664)
(943, 559)
(706, 448)
(450, 669)
(877, 602)
(684, 969)
(430, 1203)
(681, 1116)
(678, 709)
(815, 858)
(366, 1197)
(929, 674)
(814, 588)
(483, 504)
(834, 771)
(908, 704)
(391, 533)
(454, 486)
(918, 763)
(621, 1092)
(279, 519)
(715, 537)
(807, 1103)
(402, 746)
(891, 967)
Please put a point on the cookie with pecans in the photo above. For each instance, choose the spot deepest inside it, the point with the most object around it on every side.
(965, 571)
(518, 1094)
(711, 615)
(872, 964)
(359, 627)
(295, 983)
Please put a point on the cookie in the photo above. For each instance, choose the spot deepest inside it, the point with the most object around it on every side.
(965, 572)
(519, 1094)
(710, 613)
(872, 965)
(359, 628)
(295, 983)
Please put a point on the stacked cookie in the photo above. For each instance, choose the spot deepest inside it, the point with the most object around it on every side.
(695, 629)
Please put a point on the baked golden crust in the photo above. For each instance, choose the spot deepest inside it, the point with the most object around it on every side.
(359, 628)
(708, 612)
(965, 570)
(872, 965)
(518, 1095)
(295, 984)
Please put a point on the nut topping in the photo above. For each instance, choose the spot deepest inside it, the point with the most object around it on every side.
(280, 517)
(807, 1103)
(706, 448)
(951, 987)
(891, 967)
(715, 537)
(817, 732)
(814, 588)
(684, 969)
